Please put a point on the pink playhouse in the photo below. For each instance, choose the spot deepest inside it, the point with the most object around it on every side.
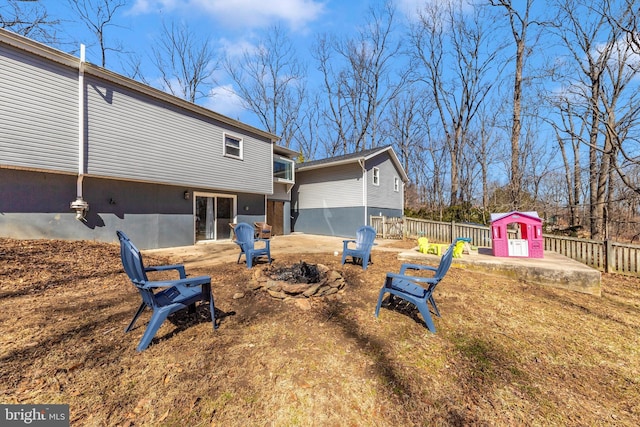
(529, 244)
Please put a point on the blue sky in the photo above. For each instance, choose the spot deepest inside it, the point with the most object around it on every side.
(233, 26)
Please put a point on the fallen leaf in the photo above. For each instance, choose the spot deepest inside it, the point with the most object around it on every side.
(163, 416)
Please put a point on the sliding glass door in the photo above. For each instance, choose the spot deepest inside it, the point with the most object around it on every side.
(213, 214)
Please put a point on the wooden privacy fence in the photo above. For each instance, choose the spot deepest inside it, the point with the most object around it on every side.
(608, 256)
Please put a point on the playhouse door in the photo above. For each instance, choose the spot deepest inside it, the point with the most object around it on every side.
(519, 247)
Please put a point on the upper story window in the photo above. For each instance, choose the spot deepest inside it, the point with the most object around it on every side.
(396, 184)
(376, 176)
(232, 146)
(283, 170)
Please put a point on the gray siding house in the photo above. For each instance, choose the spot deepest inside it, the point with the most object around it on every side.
(84, 152)
(336, 196)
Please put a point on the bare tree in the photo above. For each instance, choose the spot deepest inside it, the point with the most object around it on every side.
(98, 15)
(186, 62)
(598, 66)
(359, 81)
(581, 39)
(30, 19)
(620, 103)
(627, 19)
(431, 171)
(406, 126)
(307, 128)
(459, 69)
(603, 97)
(334, 112)
(519, 22)
(567, 135)
(271, 82)
(132, 67)
(536, 163)
(484, 144)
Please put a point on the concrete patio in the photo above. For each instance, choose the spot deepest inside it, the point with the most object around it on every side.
(553, 270)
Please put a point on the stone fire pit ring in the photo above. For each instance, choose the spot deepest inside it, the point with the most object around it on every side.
(282, 286)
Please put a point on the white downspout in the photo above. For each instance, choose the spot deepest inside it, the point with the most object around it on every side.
(364, 189)
(80, 205)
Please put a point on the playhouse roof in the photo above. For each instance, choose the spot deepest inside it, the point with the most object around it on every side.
(499, 216)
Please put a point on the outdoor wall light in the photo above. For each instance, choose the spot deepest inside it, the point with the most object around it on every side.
(187, 195)
(246, 208)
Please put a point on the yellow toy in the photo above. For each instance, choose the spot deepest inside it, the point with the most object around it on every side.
(423, 245)
(437, 248)
(457, 250)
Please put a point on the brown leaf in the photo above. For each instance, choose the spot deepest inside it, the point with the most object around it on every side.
(163, 416)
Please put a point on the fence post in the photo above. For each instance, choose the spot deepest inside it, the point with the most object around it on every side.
(609, 265)
(384, 227)
(453, 230)
(405, 232)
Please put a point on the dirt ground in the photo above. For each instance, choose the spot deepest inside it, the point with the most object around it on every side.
(505, 352)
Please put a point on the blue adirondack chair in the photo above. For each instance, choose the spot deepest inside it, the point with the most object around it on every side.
(245, 239)
(415, 289)
(169, 296)
(363, 244)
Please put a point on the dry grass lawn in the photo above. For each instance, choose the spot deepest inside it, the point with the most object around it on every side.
(506, 353)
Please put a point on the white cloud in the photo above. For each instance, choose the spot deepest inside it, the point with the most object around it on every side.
(150, 6)
(241, 13)
(224, 100)
(619, 51)
(234, 49)
(412, 8)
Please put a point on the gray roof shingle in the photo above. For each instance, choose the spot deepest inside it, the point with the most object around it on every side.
(354, 156)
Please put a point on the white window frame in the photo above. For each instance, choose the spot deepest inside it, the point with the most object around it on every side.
(375, 176)
(293, 170)
(240, 148)
(396, 184)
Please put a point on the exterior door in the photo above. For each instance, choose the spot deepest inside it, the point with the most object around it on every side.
(213, 214)
(275, 217)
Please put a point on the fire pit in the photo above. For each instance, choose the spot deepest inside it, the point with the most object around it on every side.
(298, 273)
(300, 280)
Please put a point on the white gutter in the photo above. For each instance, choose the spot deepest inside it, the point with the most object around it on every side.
(81, 121)
(80, 205)
(361, 162)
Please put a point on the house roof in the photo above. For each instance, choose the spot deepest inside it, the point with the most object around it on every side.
(531, 215)
(284, 151)
(354, 158)
(36, 48)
